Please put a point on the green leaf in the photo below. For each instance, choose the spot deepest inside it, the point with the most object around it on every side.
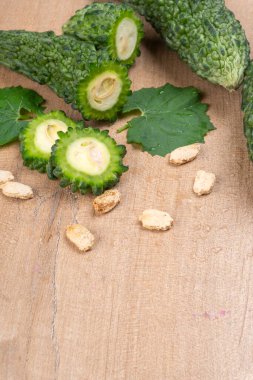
(171, 117)
(17, 106)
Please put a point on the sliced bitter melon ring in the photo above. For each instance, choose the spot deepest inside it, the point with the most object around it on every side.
(38, 137)
(87, 160)
(102, 94)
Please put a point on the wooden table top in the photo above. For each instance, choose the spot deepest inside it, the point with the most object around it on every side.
(141, 305)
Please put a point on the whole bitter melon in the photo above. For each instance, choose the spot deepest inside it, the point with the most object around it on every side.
(114, 27)
(204, 33)
(74, 69)
(38, 137)
(247, 107)
(86, 159)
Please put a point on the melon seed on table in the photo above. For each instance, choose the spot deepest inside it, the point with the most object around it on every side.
(141, 304)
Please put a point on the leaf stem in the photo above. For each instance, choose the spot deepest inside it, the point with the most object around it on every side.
(121, 129)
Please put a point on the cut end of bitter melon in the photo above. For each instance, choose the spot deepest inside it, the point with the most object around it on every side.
(125, 39)
(87, 160)
(38, 137)
(102, 94)
(113, 27)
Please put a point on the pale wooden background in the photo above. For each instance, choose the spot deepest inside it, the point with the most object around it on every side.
(141, 305)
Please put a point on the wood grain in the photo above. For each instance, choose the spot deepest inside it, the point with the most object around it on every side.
(141, 305)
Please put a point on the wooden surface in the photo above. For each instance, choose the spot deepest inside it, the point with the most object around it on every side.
(141, 306)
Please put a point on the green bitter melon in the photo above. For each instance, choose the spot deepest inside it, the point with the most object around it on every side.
(204, 33)
(72, 68)
(86, 160)
(247, 107)
(114, 27)
(38, 137)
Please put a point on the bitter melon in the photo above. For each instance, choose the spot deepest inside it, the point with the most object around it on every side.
(114, 27)
(204, 33)
(87, 160)
(72, 68)
(247, 107)
(38, 137)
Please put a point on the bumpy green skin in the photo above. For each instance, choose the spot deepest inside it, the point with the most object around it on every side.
(204, 33)
(247, 107)
(32, 156)
(58, 166)
(98, 22)
(61, 62)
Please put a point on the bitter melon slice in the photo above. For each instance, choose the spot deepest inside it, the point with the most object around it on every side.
(38, 137)
(87, 160)
(114, 27)
(104, 91)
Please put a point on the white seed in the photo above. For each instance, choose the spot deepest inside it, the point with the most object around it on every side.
(5, 176)
(80, 236)
(17, 190)
(106, 202)
(204, 182)
(184, 154)
(156, 220)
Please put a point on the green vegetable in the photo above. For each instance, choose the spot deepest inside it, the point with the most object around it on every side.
(38, 137)
(72, 68)
(247, 107)
(204, 33)
(114, 27)
(86, 159)
(102, 94)
(17, 106)
(171, 117)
